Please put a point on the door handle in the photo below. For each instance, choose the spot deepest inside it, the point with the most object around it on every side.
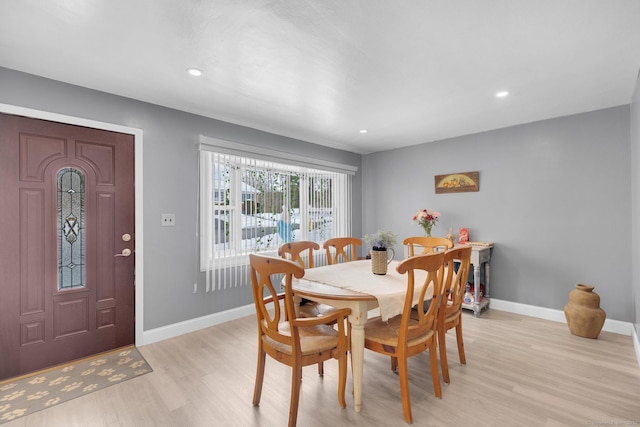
(125, 252)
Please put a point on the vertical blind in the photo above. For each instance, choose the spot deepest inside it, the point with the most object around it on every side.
(250, 205)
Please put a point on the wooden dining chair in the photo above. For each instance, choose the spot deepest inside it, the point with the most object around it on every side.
(295, 342)
(451, 304)
(429, 244)
(298, 252)
(405, 335)
(294, 251)
(343, 248)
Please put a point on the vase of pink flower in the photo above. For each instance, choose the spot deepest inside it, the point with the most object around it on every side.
(426, 218)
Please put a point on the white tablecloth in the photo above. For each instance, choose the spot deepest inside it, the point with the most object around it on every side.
(389, 289)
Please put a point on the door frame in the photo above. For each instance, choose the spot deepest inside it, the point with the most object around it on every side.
(139, 240)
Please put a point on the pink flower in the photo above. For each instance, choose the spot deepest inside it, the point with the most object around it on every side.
(426, 218)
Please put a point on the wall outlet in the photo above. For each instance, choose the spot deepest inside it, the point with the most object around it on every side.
(168, 219)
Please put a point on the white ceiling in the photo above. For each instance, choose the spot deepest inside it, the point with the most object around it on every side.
(409, 71)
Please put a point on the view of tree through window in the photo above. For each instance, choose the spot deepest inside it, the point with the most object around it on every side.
(250, 205)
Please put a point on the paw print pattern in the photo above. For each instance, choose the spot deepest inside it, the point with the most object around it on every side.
(13, 414)
(72, 386)
(106, 372)
(14, 395)
(124, 361)
(117, 377)
(38, 395)
(58, 380)
(37, 380)
(8, 386)
(52, 402)
(39, 391)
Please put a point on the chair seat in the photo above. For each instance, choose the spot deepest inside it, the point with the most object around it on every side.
(313, 339)
(314, 309)
(386, 333)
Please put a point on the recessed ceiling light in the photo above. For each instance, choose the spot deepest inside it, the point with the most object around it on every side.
(194, 72)
(363, 131)
(502, 94)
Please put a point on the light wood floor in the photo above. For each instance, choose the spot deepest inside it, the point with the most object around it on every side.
(520, 371)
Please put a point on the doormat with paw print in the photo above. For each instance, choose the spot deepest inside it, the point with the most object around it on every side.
(28, 394)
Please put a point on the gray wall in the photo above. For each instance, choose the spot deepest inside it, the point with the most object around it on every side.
(554, 197)
(170, 184)
(635, 197)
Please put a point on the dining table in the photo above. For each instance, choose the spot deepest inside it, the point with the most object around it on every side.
(353, 285)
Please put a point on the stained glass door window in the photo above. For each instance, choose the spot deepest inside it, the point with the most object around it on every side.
(71, 232)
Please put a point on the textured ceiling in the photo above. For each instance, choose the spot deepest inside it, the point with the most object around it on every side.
(408, 71)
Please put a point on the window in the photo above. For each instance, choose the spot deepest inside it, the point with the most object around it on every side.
(250, 204)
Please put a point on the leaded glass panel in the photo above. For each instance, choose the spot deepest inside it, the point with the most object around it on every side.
(71, 232)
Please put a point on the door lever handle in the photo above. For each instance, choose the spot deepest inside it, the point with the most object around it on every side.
(125, 252)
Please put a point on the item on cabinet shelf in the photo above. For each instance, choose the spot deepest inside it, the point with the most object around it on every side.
(380, 259)
(471, 288)
(468, 298)
(463, 235)
(584, 316)
(450, 235)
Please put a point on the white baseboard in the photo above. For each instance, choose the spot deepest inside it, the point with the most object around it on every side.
(615, 326)
(192, 325)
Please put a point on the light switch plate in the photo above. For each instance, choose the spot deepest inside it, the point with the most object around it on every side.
(168, 219)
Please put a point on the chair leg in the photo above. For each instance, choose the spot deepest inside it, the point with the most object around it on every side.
(442, 345)
(321, 369)
(257, 390)
(342, 379)
(394, 363)
(435, 375)
(404, 389)
(463, 359)
(296, 380)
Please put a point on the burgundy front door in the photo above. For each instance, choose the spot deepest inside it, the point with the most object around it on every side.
(66, 243)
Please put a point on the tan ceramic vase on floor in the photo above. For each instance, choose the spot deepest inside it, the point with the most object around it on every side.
(584, 315)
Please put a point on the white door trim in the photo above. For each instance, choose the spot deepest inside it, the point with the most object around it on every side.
(137, 134)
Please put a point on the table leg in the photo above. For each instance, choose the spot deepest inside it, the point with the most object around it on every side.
(357, 362)
(357, 318)
(476, 289)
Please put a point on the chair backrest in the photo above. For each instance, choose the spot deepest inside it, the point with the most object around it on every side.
(336, 248)
(429, 244)
(294, 252)
(433, 265)
(455, 281)
(266, 298)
